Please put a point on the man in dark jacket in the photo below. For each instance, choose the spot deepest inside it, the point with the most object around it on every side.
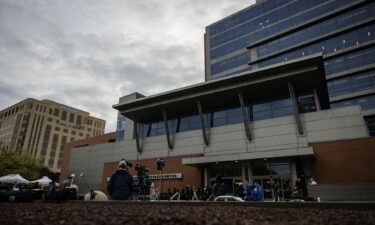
(120, 186)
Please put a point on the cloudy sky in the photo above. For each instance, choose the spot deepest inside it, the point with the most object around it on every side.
(87, 54)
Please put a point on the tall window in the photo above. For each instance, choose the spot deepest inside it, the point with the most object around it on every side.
(64, 115)
(71, 117)
(56, 112)
(79, 119)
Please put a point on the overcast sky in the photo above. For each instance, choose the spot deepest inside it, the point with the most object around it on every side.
(88, 53)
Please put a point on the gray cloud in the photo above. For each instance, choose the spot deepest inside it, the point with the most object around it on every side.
(88, 54)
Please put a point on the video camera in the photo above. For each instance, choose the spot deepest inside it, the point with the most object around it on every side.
(141, 169)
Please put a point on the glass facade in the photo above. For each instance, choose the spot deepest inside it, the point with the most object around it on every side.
(342, 30)
(266, 109)
(120, 129)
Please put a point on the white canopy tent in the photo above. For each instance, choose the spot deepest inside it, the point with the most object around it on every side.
(44, 181)
(13, 178)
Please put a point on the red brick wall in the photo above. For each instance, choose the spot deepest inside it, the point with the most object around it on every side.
(190, 175)
(346, 161)
(89, 141)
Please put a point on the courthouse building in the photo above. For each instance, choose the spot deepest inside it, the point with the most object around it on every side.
(42, 128)
(289, 91)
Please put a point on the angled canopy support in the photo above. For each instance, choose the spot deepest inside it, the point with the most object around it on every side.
(136, 135)
(295, 107)
(203, 126)
(170, 143)
(246, 122)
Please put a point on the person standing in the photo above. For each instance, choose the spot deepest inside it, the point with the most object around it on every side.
(276, 190)
(176, 194)
(257, 192)
(120, 185)
(248, 191)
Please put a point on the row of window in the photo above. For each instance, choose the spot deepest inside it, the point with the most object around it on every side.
(245, 15)
(331, 45)
(11, 111)
(278, 20)
(235, 61)
(235, 72)
(350, 61)
(253, 24)
(73, 132)
(366, 103)
(334, 65)
(263, 110)
(347, 85)
(338, 64)
(294, 20)
(317, 30)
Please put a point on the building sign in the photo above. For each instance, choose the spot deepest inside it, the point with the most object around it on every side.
(66, 108)
(167, 176)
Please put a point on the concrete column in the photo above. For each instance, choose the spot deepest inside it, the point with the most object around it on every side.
(294, 172)
(250, 170)
(253, 56)
(243, 173)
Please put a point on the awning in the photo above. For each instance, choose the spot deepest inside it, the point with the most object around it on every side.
(305, 73)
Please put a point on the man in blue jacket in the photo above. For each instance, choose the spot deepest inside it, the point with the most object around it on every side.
(248, 189)
(257, 192)
(120, 186)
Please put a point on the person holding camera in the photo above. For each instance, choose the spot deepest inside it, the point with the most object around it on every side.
(120, 185)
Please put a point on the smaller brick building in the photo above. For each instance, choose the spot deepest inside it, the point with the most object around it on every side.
(105, 138)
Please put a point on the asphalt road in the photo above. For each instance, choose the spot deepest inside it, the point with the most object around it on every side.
(144, 214)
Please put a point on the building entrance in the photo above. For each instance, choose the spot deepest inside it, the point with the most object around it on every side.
(230, 184)
(285, 186)
(263, 171)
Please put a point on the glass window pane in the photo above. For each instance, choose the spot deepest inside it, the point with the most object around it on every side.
(262, 115)
(286, 111)
(281, 103)
(262, 107)
(219, 122)
(361, 82)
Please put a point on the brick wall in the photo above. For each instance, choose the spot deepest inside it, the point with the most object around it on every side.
(190, 175)
(85, 142)
(345, 162)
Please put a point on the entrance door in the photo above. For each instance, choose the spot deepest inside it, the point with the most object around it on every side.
(229, 184)
(268, 192)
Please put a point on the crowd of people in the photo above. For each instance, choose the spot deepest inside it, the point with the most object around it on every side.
(121, 187)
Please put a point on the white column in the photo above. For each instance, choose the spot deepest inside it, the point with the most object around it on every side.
(243, 173)
(250, 170)
(294, 172)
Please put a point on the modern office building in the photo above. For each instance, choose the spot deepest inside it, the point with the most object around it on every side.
(289, 91)
(275, 31)
(269, 123)
(42, 128)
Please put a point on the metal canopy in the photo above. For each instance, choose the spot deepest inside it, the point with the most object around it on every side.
(305, 73)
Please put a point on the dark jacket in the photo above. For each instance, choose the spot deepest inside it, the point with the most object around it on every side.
(120, 186)
(248, 192)
(257, 194)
